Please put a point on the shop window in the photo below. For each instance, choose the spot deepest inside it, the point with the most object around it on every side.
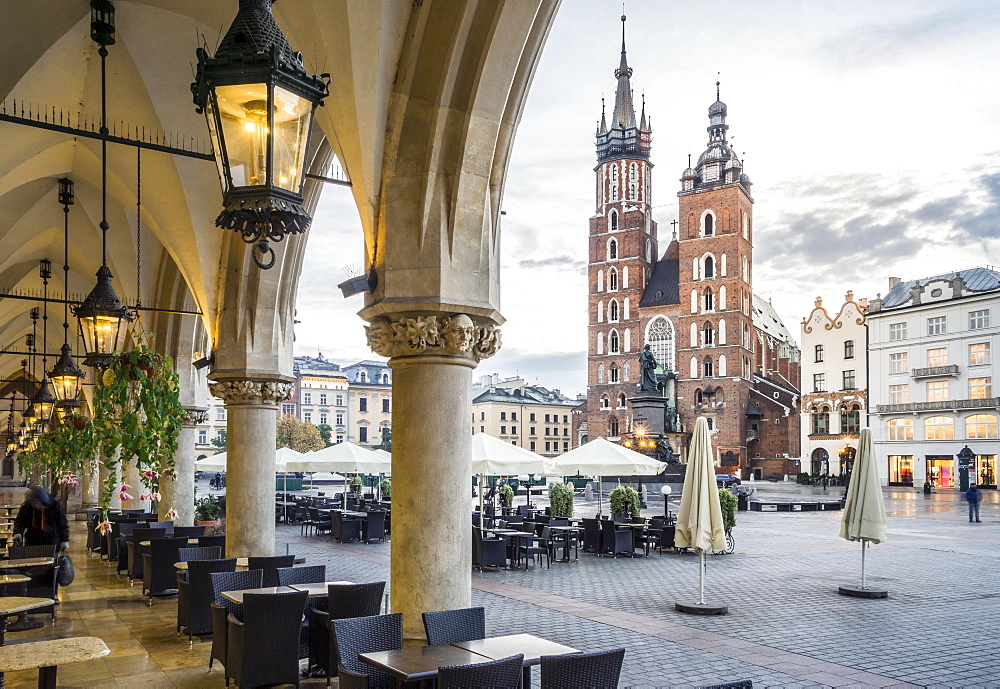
(901, 469)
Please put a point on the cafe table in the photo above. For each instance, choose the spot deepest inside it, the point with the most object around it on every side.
(241, 562)
(530, 646)
(313, 590)
(565, 532)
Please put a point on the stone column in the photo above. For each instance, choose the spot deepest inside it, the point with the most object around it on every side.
(251, 410)
(136, 488)
(103, 475)
(178, 493)
(88, 487)
(432, 358)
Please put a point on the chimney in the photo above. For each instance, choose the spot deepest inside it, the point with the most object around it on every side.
(893, 282)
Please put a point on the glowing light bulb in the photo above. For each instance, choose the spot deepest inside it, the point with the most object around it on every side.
(250, 127)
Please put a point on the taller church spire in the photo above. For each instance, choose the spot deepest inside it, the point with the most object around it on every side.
(625, 138)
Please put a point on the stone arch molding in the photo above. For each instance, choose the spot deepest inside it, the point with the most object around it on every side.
(456, 335)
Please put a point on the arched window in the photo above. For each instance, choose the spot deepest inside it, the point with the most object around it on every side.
(710, 422)
(850, 419)
(612, 280)
(699, 398)
(631, 191)
(660, 338)
(694, 367)
(625, 367)
(722, 366)
(722, 298)
(719, 397)
(626, 310)
(600, 312)
(746, 226)
(939, 428)
(695, 269)
(600, 280)
(614, 193)
(363, 377)
(625, 279)
(722, 265)
(708, 369)
(709, 299)
(613, 374)
(613, 344)
(612, 250)
(900, 429)
(614, 173)
(614, 220)
(605, 402)
(980, 426)
(600, 343)
(820, 420)
(385, 379)
(694, 301)
(628, 342)
(600, 373)
(632, 172)
(649, 251)
(709, 224)
(621, 401)
(613, 311)
(613, 427)
(708, 335)
(694, 334)
(709, 267)
(722, 331)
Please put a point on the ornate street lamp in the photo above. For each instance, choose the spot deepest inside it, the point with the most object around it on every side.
(259, 102)
(66, 376)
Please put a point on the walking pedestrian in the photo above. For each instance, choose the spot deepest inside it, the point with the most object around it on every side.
(974, 496)
(41, 521)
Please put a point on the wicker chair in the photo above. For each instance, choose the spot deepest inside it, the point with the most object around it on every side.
(495, 674)
(270, 566)
(373, 528)
(358, 635)
(189, 531)
(169, 526)
(591, 536)
(135, 551)
(488, 552)
(455, 626)
(159, 576)
(194, 596)
(343, 601)
(43, 582)
(573, 670)
(262, 646)
(316, 574)
(124, 535)
(199, 553)
(531, 548)
(210, 541)
(616, 541)
(227, 581)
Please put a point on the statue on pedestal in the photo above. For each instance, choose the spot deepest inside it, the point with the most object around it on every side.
(647, 369)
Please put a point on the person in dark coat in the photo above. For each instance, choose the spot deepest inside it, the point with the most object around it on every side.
(41, 521)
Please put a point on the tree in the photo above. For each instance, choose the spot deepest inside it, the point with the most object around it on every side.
(220, 441)
(386, 443)
(326, 432)
(300, 436)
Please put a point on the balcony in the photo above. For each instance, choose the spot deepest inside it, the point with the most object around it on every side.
(935, 371)
(947, 405)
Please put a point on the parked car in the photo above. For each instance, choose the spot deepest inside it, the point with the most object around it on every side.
(727, 480)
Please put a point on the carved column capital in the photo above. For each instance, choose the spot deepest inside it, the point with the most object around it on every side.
(195, 416)
(251, 391)
(433, 334)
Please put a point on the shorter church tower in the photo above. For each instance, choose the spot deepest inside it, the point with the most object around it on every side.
(622, 249)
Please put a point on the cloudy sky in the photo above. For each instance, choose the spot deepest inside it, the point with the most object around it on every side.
(869, 129)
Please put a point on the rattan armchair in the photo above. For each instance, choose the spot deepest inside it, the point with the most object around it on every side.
(194, 596)
(358, 635)
(270, 566)
(227, 581)
(572, 671)
(262, 648)
(455, 626)
(159, 576)
(135, 551)
(616, 541)
(495, 674)
(343, 601)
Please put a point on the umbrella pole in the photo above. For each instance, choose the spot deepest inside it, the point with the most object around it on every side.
(701, 577)
(599, 497)
(482, 515)
(863, 549)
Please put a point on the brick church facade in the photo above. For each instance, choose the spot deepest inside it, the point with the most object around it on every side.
(722, 352)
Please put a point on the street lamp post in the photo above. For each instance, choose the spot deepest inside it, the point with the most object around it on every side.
(966, 459)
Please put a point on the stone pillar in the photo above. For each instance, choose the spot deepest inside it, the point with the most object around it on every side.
(88, 485)
(251, 411)
(136, 488)
(178, 493)
(104, 474)
(432, 358)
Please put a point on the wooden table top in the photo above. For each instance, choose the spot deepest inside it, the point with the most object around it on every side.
(191, 541)
(318, 590)
(420, 662)
(241, 562)
(27, 562)
(14, 579)
(237, 596)
(531, 646)
(34, 654)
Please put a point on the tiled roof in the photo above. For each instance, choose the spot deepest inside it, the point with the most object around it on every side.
(765, 318)
(662, 290)
(979, 279)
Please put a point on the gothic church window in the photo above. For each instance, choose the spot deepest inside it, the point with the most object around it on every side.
(613, 221)
(722, 298)
(708, 335)
(709, 267)
(708, 368)
(613, 374)
(694, 367)
(612, 280)
(709, 299)
(694, 301)
(631, 191)
(722, 331)
(612, 250)
(722, 366)
(600, 312)
(660, 338)
(605, 402)
(613, 345)
(722, 265)
(626, 316)
(628, 340)
(613, 311)
(632, 172)
(625, 367)
(709, 224)
(614, 193)
(621, 401)
(694, 334)
(613, 427)
(600, 373)
(600, 343)
(625, 280)
(649, 251)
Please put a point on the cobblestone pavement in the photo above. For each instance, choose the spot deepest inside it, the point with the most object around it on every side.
(787, 626)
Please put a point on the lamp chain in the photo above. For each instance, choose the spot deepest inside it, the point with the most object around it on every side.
(138, 228)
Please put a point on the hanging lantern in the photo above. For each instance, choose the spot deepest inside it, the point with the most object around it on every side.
(102, 22)
(66, 378)
(43, 403)
(259, 101)
(101, 316)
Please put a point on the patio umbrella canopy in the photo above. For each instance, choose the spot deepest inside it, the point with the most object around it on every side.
(344, 458)
(864, 511)
(699, 519)
(493, 457)
(282, 456)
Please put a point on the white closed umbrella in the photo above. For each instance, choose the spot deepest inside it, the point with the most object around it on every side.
(699, 519)
(601, 457)
(863, 518)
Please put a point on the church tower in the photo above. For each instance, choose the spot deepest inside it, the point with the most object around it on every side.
(715, 337)
(622, 250)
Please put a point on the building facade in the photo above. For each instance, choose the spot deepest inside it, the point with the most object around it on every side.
(369, 416)
(834, 386)
(728, 356)
(320, 396)
(529, 416)
(931, 344)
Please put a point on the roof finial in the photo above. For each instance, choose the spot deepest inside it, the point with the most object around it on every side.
(689, 160)
(717, 97)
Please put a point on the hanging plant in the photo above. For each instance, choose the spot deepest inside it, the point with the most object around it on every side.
(137, 400)
(66, 451)
(561, 500)
(624, 500)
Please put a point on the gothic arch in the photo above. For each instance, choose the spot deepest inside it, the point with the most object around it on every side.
(661, 340)
(722, 366)
(600, 280)
(624, 277)
(625, 307)
(614, 343)
(613, 314)
(612, 280)
(708, 266)
(612, 249)
(722, 331)
(613, 220)
(707, 225)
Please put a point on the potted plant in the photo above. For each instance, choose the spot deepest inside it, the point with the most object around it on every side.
(561, 500)
(356, 485)
(217, 529)
(206, 511)
(624, 501)
(386, 487)
(728, 503)
(506, 495)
